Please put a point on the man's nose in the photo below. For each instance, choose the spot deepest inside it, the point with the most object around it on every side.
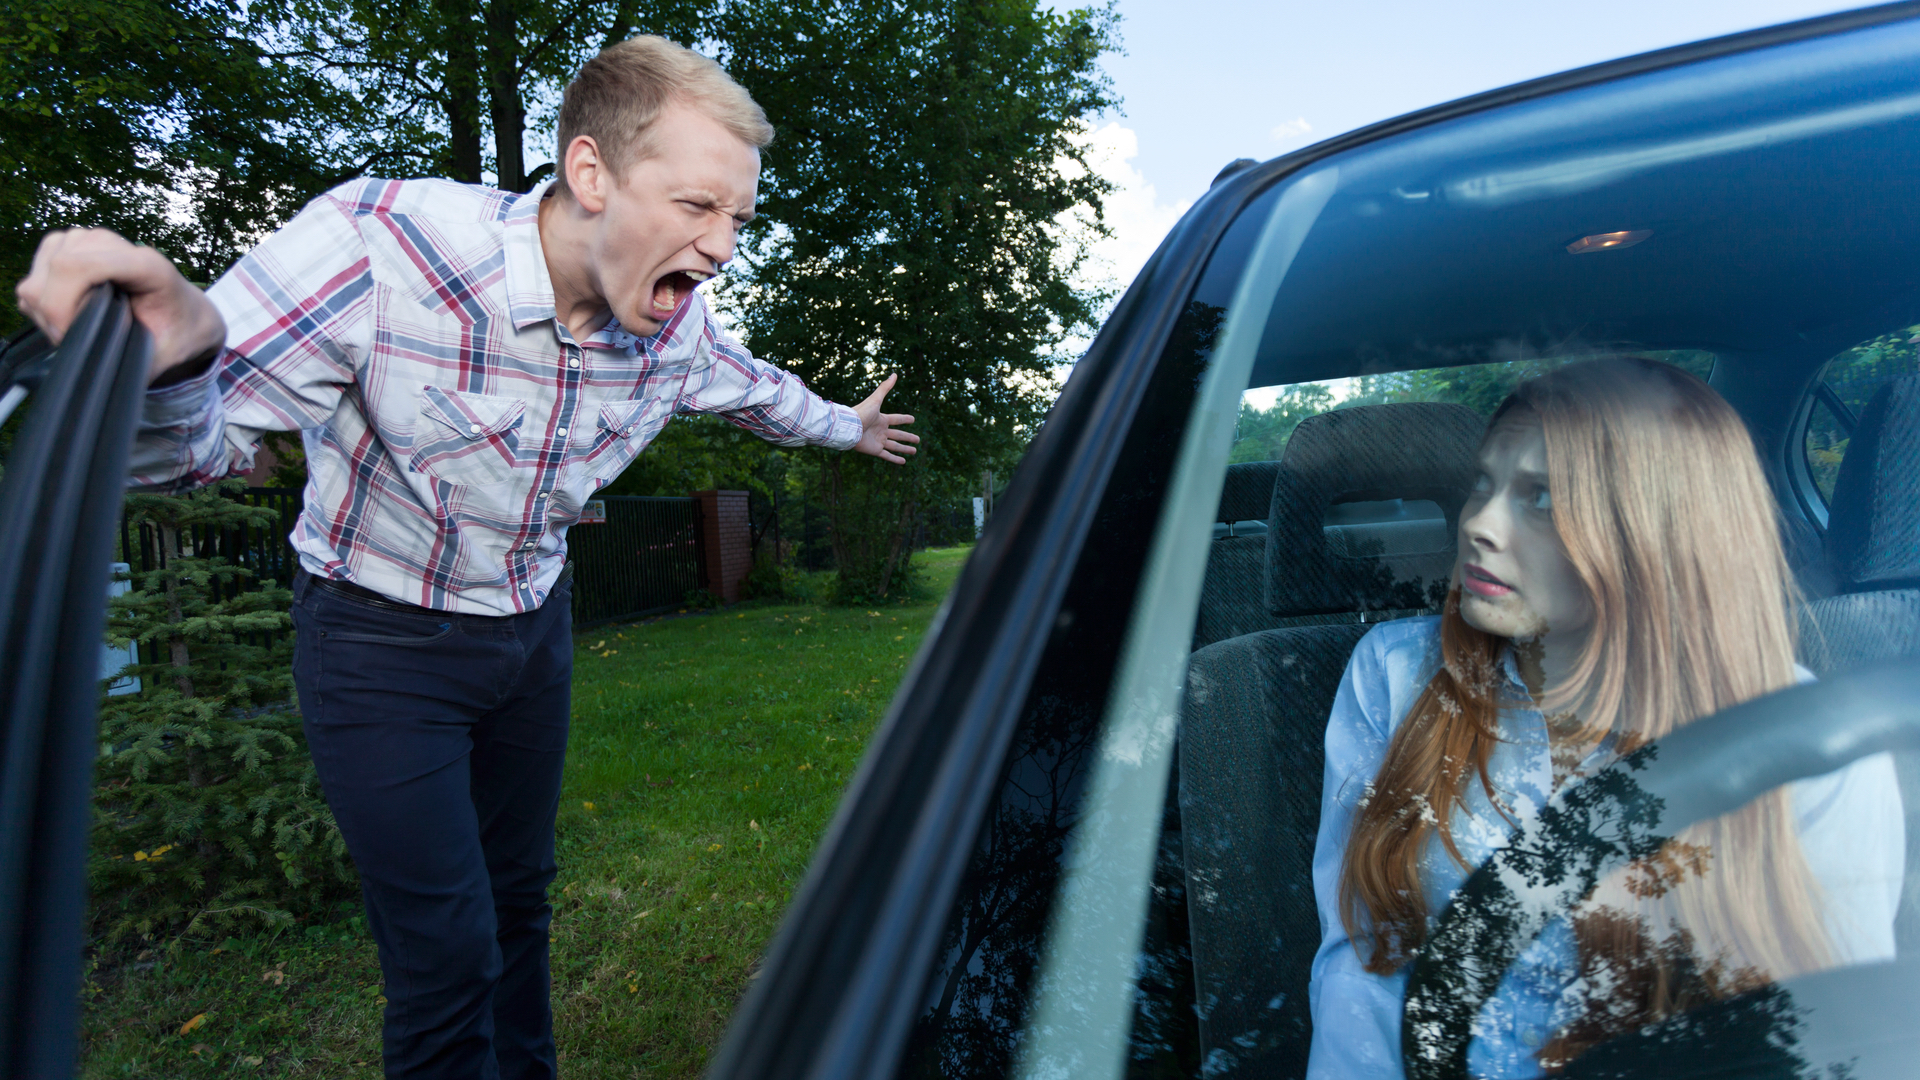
(718, 241)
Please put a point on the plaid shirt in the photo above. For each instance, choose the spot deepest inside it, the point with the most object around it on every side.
(453, 427)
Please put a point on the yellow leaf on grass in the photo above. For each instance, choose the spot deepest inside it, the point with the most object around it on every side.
(632, 989)
(751, 824)
(805, 767)
(714, 847)
(194, 1024)
(587, 806)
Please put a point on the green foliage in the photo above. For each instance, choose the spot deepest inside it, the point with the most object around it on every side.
(707, 755)
(163, 119)
(443, 82)
(695, 453)
(909, 223)
(207, 811)
(1854, 376)
(1261, 434)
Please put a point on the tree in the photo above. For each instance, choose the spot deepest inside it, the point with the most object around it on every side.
(207, 809)
(162, 119)
(909, 222)
(455, 85)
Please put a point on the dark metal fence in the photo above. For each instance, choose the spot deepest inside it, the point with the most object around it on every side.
(645, 557)
(263, 550)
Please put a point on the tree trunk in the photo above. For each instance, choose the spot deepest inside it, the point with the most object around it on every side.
(509, 112)
(169, 541)
(902, 534)
(461, 90)
(843, 557)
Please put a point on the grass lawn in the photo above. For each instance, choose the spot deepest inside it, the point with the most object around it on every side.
(707, 755)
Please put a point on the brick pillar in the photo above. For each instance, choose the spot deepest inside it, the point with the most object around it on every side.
(727, 534)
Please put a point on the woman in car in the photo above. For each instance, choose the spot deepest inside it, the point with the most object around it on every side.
(1620, 574)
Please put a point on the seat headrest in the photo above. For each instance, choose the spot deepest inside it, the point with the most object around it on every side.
(1247, 494)
(1873, 532)
(1369, 454)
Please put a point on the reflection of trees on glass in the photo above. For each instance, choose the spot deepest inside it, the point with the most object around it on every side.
(1165, 1040)
(992, 941)
(978, 996)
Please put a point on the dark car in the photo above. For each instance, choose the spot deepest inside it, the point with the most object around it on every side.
(1082, 843)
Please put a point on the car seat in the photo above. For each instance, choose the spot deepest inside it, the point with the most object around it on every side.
(1233, 594)
(1344, 550)
(1873, 556)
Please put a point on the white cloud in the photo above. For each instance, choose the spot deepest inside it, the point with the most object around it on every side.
(1133, 210)
(1133, 213)
(1295, 128)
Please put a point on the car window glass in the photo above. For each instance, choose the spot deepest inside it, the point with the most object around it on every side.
(1846, 384)
(1268, 415)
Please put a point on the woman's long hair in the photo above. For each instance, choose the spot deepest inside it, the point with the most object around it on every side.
(1666, 518)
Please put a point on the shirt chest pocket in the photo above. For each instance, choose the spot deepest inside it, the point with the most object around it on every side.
(467, 439)
(614, 439)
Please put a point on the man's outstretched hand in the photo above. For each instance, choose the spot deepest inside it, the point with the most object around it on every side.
(70, 262)
(877, 434)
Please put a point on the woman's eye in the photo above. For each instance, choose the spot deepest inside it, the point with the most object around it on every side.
(1542, 500)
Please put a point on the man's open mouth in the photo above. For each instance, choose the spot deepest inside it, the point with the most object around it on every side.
(671, 291)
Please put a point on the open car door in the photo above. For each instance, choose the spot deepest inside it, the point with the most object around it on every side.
(59, 502)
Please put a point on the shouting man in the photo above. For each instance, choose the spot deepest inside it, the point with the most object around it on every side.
(466, 366)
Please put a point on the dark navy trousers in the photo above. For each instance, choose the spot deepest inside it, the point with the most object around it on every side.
(439, 740)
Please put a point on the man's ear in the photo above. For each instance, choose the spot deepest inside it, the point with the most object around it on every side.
(588, 177)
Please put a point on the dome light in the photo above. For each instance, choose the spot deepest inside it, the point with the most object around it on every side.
(1608, 241)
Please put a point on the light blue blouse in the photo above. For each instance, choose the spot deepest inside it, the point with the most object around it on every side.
(1850, 821)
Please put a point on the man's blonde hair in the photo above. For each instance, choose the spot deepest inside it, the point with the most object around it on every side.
(617, 97)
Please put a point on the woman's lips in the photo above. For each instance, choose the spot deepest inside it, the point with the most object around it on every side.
(1481, 583)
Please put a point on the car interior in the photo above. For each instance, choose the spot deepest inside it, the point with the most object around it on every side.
(1258, 699)
(1800, 309)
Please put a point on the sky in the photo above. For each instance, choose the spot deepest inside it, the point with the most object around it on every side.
(1203, 82)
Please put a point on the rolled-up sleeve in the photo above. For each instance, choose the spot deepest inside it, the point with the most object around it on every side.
(298, 316)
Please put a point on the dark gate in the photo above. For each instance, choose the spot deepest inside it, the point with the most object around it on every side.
(645, 557)
(265, 551)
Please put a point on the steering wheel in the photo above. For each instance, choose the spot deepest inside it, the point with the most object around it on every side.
(1625, 813)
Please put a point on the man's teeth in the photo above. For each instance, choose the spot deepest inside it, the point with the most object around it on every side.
(697, 276)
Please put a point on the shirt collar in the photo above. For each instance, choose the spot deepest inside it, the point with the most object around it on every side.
(1510, 666)
(529, 289)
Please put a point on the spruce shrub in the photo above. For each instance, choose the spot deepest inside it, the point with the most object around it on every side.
(207, 812)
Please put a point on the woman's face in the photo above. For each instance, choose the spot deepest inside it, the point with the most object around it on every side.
(1514, 577)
